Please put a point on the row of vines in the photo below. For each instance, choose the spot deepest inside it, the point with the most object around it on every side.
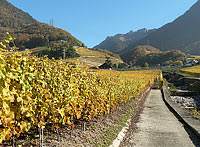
(36, 92)
(192, 71)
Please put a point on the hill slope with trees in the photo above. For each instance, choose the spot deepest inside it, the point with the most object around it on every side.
(150, 56)
(28, 32)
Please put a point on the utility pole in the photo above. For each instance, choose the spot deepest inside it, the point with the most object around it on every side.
(52, 22)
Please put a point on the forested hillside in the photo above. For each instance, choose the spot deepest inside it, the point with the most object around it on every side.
(150, 56)
(28, 32)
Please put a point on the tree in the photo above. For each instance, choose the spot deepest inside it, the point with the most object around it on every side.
(108, 61)
(146, 64)
(178, 63)
(71, 52)
(108, 64)
(56, 50)
(115, 66)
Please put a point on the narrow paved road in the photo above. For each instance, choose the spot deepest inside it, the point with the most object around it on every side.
(158, 127)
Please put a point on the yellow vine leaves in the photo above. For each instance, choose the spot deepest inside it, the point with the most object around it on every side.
(35, 92)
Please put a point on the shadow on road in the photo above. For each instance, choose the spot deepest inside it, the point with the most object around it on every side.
(194, 138)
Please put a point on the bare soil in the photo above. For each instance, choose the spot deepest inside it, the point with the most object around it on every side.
(100, 131)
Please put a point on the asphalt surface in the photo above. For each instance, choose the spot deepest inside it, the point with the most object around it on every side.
(158, 127)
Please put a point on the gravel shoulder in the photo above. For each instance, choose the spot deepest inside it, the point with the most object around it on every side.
(158, 127)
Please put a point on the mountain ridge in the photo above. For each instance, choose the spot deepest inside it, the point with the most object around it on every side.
(118, 42)
(183, 34)
(15, 16)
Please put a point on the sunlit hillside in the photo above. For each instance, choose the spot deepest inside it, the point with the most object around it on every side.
(191, 71)
(88, 57)
(95, 58)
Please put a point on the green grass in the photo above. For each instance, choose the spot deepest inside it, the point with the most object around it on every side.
(196, 113)
(37, 50)
(112, 132)
(172, 89)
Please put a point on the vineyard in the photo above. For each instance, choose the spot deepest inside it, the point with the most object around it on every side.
(38, 92)
(192, 71)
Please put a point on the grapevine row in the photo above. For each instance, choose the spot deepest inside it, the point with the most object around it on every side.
(193, 71)
(35, 92)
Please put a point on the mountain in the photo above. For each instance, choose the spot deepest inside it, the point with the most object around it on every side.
(148, 55)
(28, 32)
(182, 34)
(12, 17)
(40, 34)
(121, 41)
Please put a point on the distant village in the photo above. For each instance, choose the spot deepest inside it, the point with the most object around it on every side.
(191, 62)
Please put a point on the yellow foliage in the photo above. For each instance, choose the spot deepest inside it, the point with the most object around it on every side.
(193, 71)
(36, 91)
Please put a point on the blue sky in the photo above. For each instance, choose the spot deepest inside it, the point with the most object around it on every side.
(91, 21)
